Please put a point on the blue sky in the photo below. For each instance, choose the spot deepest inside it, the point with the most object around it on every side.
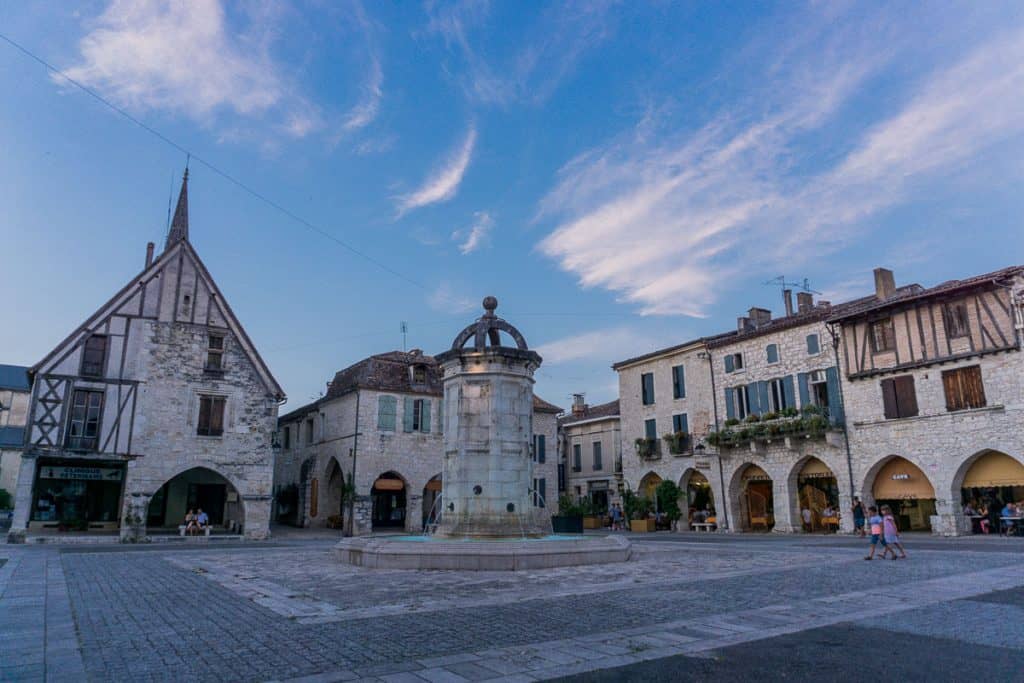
(622, 176)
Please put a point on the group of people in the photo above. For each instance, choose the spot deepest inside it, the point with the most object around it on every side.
(196, 523)
(616, 516)
(828, 517)
(884, 529)
(992, 514)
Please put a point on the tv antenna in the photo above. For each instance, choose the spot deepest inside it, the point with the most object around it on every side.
(780, 281)
(403, 327)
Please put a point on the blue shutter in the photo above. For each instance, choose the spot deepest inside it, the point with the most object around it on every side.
(730, 409)
(729, 366)
(832, 386)
(773, 353)
(812, 344)
(387, 406)
(440, 416)
(805, 394)
(543, 492)
(753, 398)
(787, 391)
(678, 382)
(762, 397)
(680, 423)
(651, 429)
(541, 448)
(425, 417)
(407, 416)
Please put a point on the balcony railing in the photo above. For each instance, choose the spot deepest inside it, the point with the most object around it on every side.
(811, 423)
(679, 443)
(648, 449)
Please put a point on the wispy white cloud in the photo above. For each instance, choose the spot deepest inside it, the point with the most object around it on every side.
(669, 220)
(476, 235)
(368, 106)
(446, 299)
(443, 183)
(176, 56)
(605, 345)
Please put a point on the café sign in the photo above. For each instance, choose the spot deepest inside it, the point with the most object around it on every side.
(82, 473)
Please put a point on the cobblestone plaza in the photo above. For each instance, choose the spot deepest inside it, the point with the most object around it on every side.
(288, 610)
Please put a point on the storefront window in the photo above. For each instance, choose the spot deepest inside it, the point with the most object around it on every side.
(70, 494)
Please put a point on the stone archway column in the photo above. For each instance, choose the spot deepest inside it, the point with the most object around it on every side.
(256, 516)
(22, 499)
(785, 502)
(362, 511)
(413, 511)
(846, 509)
(133, 517)
(949, 519)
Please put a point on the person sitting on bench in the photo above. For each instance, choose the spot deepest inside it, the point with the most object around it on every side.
(202, 520)
(190, 522)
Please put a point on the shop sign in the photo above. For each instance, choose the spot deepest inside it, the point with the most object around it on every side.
(81, 473)
(598, 485)
(702, 464)
(901, 477)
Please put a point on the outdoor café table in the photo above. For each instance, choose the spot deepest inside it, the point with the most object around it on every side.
(976, 523)
(1016, 524)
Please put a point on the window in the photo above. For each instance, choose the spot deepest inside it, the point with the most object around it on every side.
(540, 491)
(541, 448)
(957, 324)
(680, 423)
(737, 403)
(597, 455)
(309, 431)
(211, 416)
(387, 413)
(678, 382)
(215, 353)
(417, 415)
(780, 394)
(419, 374)
(186, 305)
(899, 398)
(772, 352)
(287, 437)
(84, 425)
(964, 388)
(577, 457)
(94, 354)
(883, 335)
(651, 429)
(733, 362)
(813, 345)
(647, 388)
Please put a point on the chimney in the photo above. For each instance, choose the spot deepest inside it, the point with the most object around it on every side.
(759, 316)
(885, 283)
(804, 302)
(149, 254)
(579, 407)
(743, 324)
(787, 298)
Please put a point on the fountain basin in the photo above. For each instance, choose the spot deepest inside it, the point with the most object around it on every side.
(502, 554)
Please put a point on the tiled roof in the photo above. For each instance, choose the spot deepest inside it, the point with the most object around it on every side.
(542, 406)
(12, 437)
(610, 409)
(916, 292)
(14, 377)
(659, 352)
(388, 372)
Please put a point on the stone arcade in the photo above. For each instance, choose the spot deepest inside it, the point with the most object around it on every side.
(488, 520)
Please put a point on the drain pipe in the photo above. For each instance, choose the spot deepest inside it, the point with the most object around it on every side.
(350, 522)
(721, 472)
(842, 405)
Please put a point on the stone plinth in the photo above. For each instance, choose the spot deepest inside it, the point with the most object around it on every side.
(479, 555)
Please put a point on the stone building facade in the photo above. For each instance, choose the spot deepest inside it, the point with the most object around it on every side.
(935, 397)
(157, 403)
(14, 393)
(382, 416)
(591, 452)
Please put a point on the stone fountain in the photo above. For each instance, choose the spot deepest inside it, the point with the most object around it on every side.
(488, 518)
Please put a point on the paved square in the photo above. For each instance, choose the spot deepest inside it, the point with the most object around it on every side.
(288, 610)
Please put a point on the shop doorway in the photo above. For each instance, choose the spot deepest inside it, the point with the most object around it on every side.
(758, 500)
(991, 481)
(818, 494)
(902, 486)
(77, 495)
(388, 498)
(432, 501)
(700, 500)
(196, 489)
(599, 496)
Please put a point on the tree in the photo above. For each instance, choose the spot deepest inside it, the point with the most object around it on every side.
(668, 495)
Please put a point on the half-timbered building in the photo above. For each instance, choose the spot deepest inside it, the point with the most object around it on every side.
(935, 398)
(157, 403)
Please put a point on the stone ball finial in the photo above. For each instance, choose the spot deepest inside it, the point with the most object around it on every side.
(490, 303)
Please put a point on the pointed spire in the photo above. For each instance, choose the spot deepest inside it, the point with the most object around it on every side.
(179, 224)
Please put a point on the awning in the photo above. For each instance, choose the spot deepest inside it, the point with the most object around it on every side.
(994, 469)
(383, 484)
(901, 479)
(433, 485)
(755, 473)
(816, 469)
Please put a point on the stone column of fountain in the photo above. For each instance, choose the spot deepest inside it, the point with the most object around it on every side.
(488, 430)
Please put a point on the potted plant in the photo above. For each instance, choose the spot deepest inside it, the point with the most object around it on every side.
(569, 519)
(637, 509)
(592, 517)
(678, 442)
(646, 448)
(668, 494)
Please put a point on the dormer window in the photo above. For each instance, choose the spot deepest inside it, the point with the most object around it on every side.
(215, 353)
(94, 355)
(186, 305)
(419, 374)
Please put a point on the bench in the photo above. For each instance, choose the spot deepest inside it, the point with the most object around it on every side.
(182, 528)
(703, 526)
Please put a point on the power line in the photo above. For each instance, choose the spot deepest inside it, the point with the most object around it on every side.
(223, 174)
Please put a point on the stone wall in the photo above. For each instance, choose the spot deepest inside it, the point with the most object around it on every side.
(606, 432)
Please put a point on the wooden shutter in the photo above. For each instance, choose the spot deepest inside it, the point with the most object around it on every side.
(407, 416)
(974, 387)
(805, 393)
(812, 345)
(542, 447)
(425, 416)
(216, 416)
(964, 388)
(788, 394)
(386, 408)
(889, 399)
(762, 398)
(597, 455)
(753, 399)
(730, 407)
(835, 403)
(773, 353)
(951, 385)
(651, 429)
(678, 382)
(440, 416)
(729, 365)
(906, 396)
(204, 415)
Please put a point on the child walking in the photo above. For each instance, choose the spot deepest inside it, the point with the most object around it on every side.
(875, 521)
(890, 533)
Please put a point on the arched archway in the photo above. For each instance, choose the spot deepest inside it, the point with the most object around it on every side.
(751, 487)
(984, 483)
(649, 484)
(903, 486)
(332, 507)
(817, 495)
(194, 489)
(388, 497)
(432, 499)
(699, 496)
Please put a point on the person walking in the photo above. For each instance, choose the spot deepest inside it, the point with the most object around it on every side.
(891, 534)
(876, 533)
(858, 517)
